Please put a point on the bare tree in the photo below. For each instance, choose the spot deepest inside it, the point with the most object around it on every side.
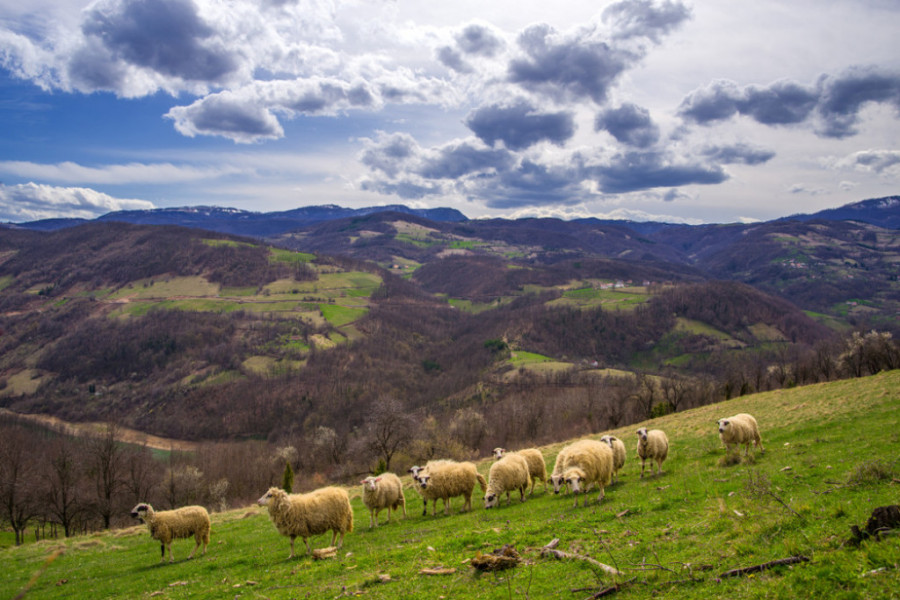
(674, 390)
(389, 429)
(105, 456)
(18, 471)
(63, 494)
(469, 427)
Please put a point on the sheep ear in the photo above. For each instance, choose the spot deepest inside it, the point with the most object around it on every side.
(377, 479)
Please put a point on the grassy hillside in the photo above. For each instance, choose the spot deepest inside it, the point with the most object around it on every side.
(831, 457)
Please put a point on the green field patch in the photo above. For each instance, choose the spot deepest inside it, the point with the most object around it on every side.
(167, 287)
(479, 307)
(227, 243)
(230, 292)
(699, 328)
(624, 298)
(6, 280)
(339, 315)
(766, 333)
(289, 256)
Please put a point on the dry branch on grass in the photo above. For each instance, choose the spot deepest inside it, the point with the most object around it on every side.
(791, 560)
(550, 550)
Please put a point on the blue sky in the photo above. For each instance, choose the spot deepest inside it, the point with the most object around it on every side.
(683, 111)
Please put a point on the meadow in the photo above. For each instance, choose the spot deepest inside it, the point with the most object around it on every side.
(831, 456)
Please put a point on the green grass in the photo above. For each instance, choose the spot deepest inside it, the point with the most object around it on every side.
(831, 457)
(341, 315)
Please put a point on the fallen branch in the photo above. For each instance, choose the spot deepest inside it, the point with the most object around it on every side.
(549, 550)
(791, 560)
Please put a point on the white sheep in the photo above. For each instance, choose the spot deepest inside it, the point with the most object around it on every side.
(306, 515)
(168, 525)
(509, 473)
(653, 445)
(556, 476)
(619, 453)
(445, 479)
(383, 491)
(741, 429)
(537, 468)
(588, 463)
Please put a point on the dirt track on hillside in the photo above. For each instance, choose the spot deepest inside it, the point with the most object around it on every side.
(123, 434)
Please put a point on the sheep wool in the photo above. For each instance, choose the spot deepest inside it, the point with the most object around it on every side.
(383, 491)
(168, 525)
(537, 468)
(446, 479)
(556, 476)
(588, 463)
(507, 474)
(306, 515)
(619, 453)
(741, 429)
(652, 445)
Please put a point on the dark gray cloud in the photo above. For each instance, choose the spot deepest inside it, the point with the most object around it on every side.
(166, 36)
(629, 124)
(532, 184)
(567, 68)
(738, 154)
(452, 59)
(404, 189)
(228, 116)
(390, 153)
(92, 67)
(324, 96)
(520, 125)
(644, 18)
(458, 160)
(835, 101)
(634, 171)
(842, 98)
(479, 40)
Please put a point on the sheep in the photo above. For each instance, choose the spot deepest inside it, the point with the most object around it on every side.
(168, 525)
(619, 452)
(445, 479)
(556, 477)
(537, 468)
(588, 462)
(305, 515)
(384, 491)
(509, 473)
(741, 429)
(654, 445)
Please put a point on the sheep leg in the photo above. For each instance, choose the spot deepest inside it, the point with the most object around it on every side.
(292, 547)
(308, 548)
(446, 506)
(642, 468)
(373, 522)
(171, 558)
(522, 493)
(197, 545)
(162, 550)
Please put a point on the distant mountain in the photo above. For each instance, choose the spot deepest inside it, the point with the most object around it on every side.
(883, 212)
(242, 222)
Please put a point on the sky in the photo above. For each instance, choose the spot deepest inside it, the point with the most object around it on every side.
(704, 111)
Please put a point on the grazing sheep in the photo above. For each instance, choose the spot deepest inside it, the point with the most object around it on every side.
(588, 462)
(556, 477)
(306, 515)
(507, 474)
(168, 525)
(654, 445)
(619, 452)
(741, 429)
(537, 468)
(445, 479)
(384, 491)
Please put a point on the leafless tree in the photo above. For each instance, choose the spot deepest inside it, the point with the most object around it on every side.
(19, 501)
(105, 459)
(389, 428)
(63, 493)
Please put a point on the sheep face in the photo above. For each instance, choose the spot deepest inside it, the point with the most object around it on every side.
(415, 470)
(424, 480)
(264, 501)
(498, 453)
(642, 433)
(723, 425)
(576, 482)
(140, 511)
(558, 481)
(491, 500)
(370, 483)
(608, 439)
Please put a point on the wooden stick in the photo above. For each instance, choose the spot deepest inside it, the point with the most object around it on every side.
(791, 560)
(550, 550)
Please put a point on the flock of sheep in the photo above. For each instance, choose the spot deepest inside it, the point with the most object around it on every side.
(579, 467)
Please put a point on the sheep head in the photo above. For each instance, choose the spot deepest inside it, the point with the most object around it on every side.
(642, 434)
(491, 500)
(424, 480)
(370, 483)
(574, 478)
(557, 481)
(274, 494)
(415, 470)
(140, 511)
(608, 439)
(499, 452)
(723, 425)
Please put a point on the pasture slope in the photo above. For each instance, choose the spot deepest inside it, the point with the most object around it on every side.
(832, 455)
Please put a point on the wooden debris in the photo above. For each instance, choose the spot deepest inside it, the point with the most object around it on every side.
(549, 550)
(883, 520)
(791, 560)
(498, 560)
(437, 571)
(323, 553)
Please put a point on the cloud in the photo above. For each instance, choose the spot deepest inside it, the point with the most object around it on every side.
(738, 154)
(872, 160)
(629, 124)
(31, 202)
(479, 40)
(166, 36)
(634, 171)
(835, 101)
(520, 125)
(645, 19)
(460, 159)
(71, 172)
